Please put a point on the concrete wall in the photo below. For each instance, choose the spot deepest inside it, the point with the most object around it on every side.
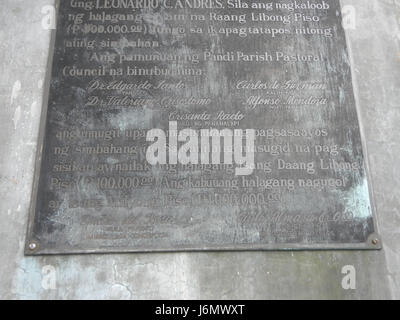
(375, 51)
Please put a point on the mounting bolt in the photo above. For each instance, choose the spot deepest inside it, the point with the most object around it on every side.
(375, 242)
(32, 246)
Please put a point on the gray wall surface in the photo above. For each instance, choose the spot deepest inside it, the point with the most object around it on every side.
(375, 50)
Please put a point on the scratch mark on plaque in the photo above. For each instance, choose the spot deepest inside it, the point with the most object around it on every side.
(357, 201)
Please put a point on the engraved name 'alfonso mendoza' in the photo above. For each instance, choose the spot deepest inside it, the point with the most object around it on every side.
(196, 148)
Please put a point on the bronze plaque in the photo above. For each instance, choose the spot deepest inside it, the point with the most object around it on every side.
(200, 125)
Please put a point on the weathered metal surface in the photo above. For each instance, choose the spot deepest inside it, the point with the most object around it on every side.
(282, 72)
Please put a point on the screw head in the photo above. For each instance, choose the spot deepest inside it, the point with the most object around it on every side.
(32, 246)
(375, 242)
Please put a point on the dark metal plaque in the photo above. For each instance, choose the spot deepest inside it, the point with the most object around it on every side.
(200, 125)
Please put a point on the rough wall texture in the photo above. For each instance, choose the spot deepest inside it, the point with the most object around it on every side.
(374, 48)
